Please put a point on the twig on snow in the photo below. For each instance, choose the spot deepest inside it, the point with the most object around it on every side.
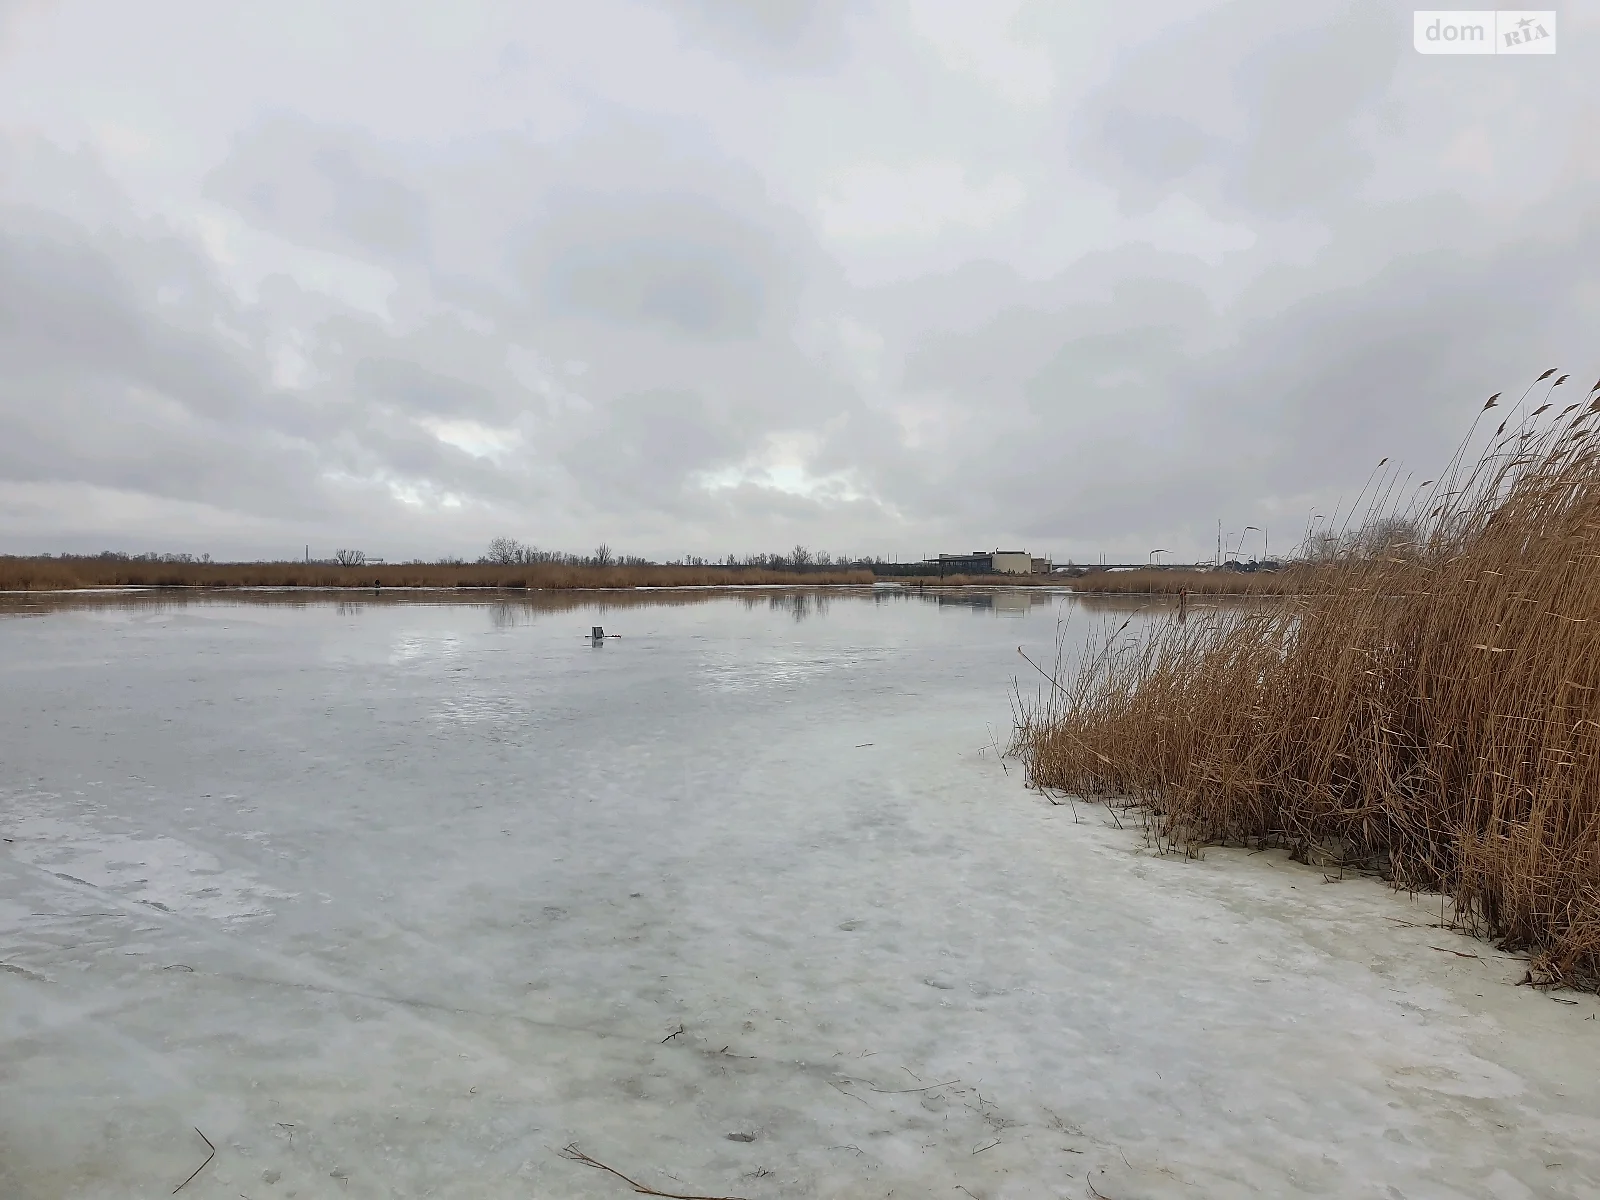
(202, 1166)
(904, 1091)
(571, 1151)
(839, 1087)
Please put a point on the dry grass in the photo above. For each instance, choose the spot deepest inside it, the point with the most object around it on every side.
(1292, 581)
(1435, 712)
(50, 574)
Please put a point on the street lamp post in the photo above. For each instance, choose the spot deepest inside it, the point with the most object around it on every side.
(1247, 529)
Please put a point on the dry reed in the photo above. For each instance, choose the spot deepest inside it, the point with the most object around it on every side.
(1291, 581)
(1433, 711)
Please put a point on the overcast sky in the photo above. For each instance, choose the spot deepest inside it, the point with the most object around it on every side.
(712, 276)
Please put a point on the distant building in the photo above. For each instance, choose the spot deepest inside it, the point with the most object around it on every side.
(993, 562)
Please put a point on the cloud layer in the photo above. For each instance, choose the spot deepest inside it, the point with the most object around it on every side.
(698, 277)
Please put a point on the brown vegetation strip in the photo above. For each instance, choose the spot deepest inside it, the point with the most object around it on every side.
(1428, 709)
(1297, 580)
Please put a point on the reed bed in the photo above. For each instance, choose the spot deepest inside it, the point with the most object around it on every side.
(1433, 712)
(1291, 581)
(51, 574)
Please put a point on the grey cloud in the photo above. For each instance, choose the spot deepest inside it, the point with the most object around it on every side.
(1159, 150)
(639, 253)
(1032, 344)
(71, 306)
(676, 315)
(671, 261)
(105, 387)
(803, 34)
(411, 388)
(330, 188)
(131, 367)
(1306, 99)
(1256, 104)
(644, 451)
(11, 14)
(636, 224)
(1298, 404)
(1119, 396)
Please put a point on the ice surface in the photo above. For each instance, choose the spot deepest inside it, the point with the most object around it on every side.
(399, 898)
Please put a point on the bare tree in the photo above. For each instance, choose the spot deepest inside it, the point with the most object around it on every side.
(506, 552)
(509, 552)
(603, 556)
(824, 559)
(349, 558)
(1379, 537)
(801, 557)
(1389, 536)
(1322, 545)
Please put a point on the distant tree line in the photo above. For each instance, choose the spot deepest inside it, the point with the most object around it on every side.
(118, 556)
(508, 551)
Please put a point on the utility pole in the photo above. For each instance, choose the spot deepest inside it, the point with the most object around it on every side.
(1219, 543)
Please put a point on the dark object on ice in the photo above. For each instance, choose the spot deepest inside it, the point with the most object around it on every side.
(598, 633)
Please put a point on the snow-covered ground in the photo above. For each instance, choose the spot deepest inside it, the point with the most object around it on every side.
(399, 899)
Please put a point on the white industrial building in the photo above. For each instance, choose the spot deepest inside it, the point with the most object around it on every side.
(993, 562)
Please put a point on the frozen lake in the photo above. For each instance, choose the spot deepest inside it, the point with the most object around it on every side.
(398, 898)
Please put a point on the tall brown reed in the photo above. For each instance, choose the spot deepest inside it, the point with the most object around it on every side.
(1433, 711)
(1291, 581)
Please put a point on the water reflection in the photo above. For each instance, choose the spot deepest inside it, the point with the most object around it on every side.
(800, 605)
(504, 607)
(508, 609)
(1008, 603)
